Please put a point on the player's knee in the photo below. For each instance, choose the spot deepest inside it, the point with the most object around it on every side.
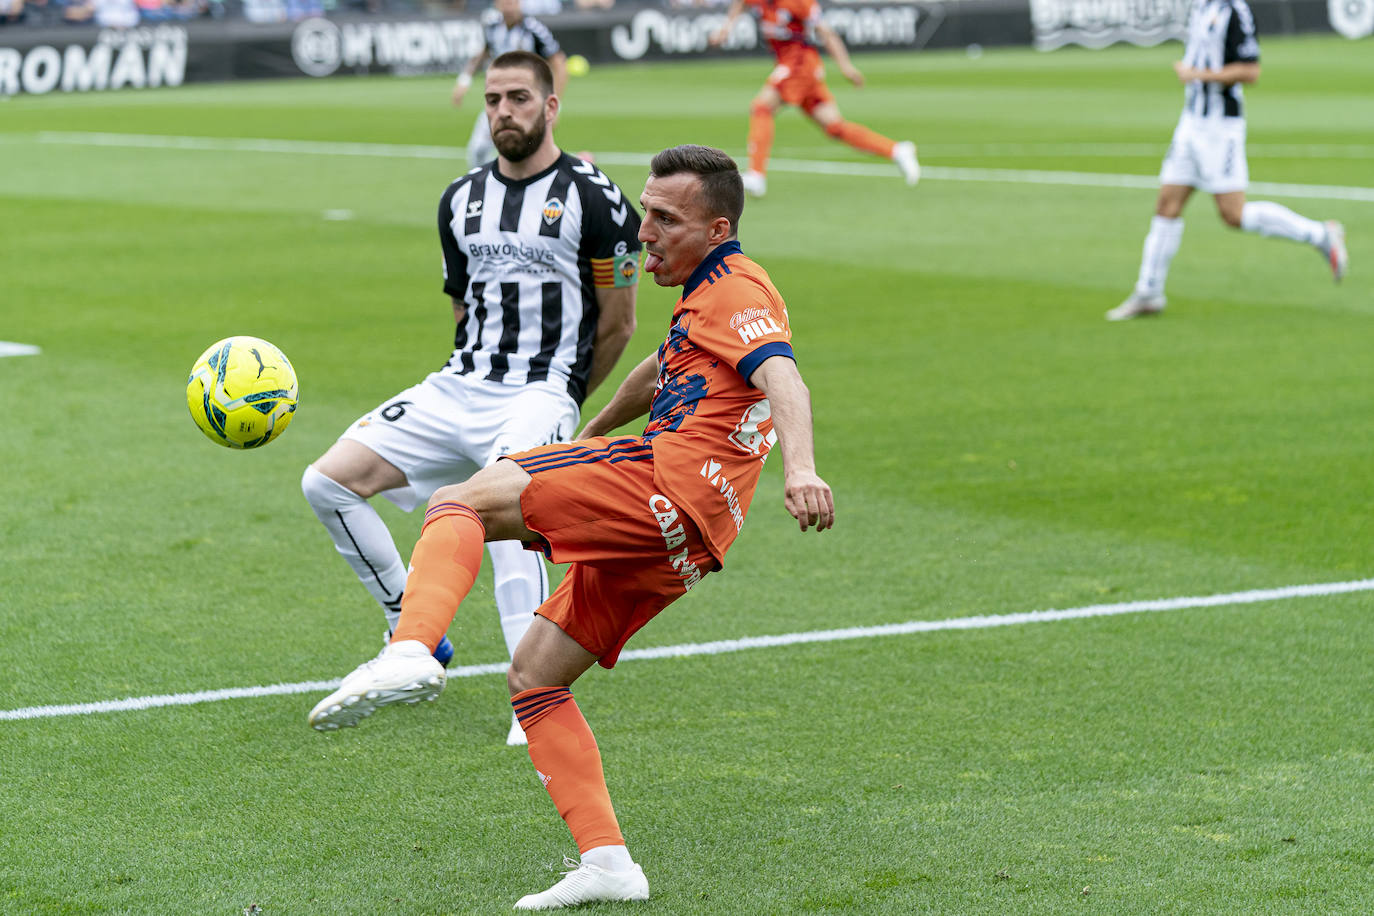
(1231, 218)
(761, 108)
(323, 492)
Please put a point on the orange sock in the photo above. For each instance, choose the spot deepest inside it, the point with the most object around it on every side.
(860, 137)
(443, 567)
(760, 137)
(568, 762)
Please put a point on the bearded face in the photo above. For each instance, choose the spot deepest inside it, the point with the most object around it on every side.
(516, 143)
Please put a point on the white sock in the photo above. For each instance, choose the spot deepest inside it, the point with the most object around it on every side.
(362, 538)
(611, 858)
(1271, 219)
(521, 584)
(1161, 244)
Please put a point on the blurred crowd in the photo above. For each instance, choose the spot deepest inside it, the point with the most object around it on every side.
(131, 13)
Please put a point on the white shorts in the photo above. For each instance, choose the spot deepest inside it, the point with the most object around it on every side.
(446, 428)
(1207, 154)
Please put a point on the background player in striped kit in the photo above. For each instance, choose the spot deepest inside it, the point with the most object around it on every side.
(1208, 152)
(640, 518)
(541, 263)
(506, 28)
(792, 28)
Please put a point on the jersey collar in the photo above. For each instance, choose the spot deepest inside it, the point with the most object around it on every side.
(521, 182)
(710, 263)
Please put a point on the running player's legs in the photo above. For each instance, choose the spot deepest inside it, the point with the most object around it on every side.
(820, 106)
(1178, 174)
(480, 147)
(761, 114)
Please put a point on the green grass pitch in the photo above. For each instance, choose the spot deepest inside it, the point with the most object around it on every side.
(993, 444)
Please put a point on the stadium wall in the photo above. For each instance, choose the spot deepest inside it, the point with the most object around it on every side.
(74, 59)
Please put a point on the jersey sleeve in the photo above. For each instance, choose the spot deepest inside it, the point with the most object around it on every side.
(455, 262)
(545, 45)
(1242, 43)
(743, 322)
(610, 229)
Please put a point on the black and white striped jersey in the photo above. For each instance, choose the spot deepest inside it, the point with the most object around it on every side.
(1220, 32)
(529, 34)
(527, 257)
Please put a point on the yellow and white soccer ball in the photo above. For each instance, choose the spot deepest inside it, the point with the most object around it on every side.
(242, 392)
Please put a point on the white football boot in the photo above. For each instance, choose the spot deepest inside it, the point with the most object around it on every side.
(587, 883)
(403, 672)
(755, 185)
(1136, 306)
(1335, 250)
(904, 154)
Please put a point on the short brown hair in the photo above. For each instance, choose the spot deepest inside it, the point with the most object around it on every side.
(527, 60)
(722, 190)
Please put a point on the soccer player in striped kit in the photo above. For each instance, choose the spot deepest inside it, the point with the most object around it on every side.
(641, 519)
(505, 27)
(541, 261)
(1208, 153)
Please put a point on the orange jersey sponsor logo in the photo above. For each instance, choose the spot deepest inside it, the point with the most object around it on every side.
(709, 427)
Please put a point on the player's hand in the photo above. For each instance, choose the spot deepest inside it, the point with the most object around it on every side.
(718, 37)
(854, 76)
(459, 93)
(1185, 73)
(809, 500)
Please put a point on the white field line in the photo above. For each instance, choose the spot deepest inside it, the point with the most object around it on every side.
(10, 348)
(723, 646)
(803, 166)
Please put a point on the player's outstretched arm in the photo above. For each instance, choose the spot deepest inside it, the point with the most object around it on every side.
(1241, 71)
(834, 45)
(807, 497)
(721, 34)
(630, 401)
(615, 325)
(464, 81)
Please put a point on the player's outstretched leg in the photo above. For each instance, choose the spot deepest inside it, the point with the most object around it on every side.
(904, 154)
(444, 565)
(1267, 218)
(404, 672)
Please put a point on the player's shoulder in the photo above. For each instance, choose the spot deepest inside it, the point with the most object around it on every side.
(491, 16)
(466, 178)
(600, 194)
(732, 276)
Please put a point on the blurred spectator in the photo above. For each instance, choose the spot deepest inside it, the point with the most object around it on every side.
(539, 8)
(11, 12)
(116, 14)
(78, 12)
(595, 4)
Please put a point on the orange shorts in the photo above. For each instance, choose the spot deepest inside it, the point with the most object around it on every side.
(632, 551)
(801, 86)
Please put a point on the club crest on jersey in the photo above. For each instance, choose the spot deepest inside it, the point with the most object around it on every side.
(553, 210)
(474, 208)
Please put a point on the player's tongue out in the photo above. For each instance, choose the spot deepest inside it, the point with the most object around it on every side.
(651, 261)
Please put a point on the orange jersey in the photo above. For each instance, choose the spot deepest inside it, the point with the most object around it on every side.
(711, 430)
(789, 26)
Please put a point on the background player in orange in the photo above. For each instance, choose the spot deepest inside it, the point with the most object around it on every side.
(640, 518)
(792, 28)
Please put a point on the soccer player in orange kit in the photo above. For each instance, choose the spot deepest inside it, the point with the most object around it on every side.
(641, 519)
(792, 28)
